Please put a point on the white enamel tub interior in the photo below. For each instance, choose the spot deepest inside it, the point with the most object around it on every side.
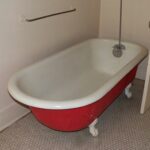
(75, 77)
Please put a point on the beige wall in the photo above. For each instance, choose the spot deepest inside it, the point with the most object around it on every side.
(136, 15)
(23, 43)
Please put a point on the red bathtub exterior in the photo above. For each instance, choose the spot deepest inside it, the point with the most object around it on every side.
(79, 118)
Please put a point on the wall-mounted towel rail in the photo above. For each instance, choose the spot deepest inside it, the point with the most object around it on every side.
(51, 15)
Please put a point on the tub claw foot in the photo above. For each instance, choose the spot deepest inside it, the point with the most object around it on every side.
(92, 129)
(128, 92)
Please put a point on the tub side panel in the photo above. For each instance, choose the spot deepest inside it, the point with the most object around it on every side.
(79, 118)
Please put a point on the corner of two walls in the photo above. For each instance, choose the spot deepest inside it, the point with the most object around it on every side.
(23, 43)
(134, 27)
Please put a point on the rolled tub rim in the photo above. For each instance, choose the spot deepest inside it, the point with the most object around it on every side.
(22, 97)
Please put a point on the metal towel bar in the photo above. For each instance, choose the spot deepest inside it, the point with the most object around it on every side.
(51, 15)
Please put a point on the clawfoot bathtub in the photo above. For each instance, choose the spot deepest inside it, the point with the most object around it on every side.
(69, 90)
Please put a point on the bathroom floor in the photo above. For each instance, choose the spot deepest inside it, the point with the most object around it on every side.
(121, 127)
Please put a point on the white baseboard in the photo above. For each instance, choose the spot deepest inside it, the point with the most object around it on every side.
(11, 114)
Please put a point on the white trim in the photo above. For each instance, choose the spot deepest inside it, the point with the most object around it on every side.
(11, 114)
(145, 99)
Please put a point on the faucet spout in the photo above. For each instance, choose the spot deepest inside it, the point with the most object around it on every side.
(118, 50)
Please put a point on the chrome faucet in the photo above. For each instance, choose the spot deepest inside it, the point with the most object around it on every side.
(118, 48)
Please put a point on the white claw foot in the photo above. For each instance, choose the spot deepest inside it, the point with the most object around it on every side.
(128, 92)
(92, 128)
